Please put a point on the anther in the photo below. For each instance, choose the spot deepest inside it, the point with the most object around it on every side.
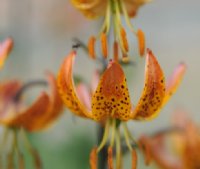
(104, 44)
(110, 158)
(141, 42)
(93, 158)
(115, 52)
(124, 39)
(134, 159)
(91, 47)
(125, 58)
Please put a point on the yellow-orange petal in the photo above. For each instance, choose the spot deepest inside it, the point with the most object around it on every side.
(5, 48)
(174, 81)
(153, 92)
(91, 8)
(111, 98)
(67, 89)
(141, 42)
(54, 110)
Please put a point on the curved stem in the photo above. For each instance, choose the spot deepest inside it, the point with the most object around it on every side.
(105, 136)
(127, 137)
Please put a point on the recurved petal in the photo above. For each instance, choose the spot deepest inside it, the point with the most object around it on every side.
(132, 6)
(111, 97)
(174, 81)
(91, 8)
(53, 110)
(153, 92)
(5, 48)
(8, 91)
(26, 117)
(67, 89)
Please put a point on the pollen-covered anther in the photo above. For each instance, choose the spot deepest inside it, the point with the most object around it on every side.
(104, 45)
(141, 42)
(110, 158)
(91, 47)
(115, 51)
(134, 159)
(93, 158)
(124, 39)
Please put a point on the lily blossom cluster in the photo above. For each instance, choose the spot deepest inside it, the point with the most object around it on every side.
(110, 103)
(16, 116)
(184, 138)
(111, 10)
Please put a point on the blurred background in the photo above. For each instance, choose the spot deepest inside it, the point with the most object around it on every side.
(43, 33)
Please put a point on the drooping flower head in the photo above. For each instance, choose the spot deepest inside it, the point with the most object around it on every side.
(112, 10)
(184, 137)
(110, 103)
(17, 117)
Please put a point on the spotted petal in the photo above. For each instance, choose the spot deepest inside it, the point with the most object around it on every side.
(67, 89)
(111, 98)
(153, 92)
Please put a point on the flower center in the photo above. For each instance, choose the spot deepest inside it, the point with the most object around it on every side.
(114, 139)
(113, 17)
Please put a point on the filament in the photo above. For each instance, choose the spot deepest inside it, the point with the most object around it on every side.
(105, 136)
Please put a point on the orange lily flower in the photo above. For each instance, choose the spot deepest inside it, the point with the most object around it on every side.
(5, 48)
(37, 116)
(185, 145)
(111, 103)
(16, 116)
(112, 10)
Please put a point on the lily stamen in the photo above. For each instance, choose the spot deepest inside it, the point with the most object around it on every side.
(93, 158)
(91, 47)
(110, 158)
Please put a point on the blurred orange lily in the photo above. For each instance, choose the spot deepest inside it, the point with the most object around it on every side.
(5, 48)
(185, 142)
(111, 103)
(37, 116)
(112, 10)
(16, 116)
